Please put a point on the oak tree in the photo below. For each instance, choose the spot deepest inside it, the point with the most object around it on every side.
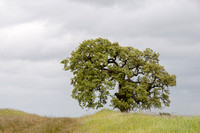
(100, 66)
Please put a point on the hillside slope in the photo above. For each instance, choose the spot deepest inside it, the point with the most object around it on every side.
(105, 121)
(12, 121)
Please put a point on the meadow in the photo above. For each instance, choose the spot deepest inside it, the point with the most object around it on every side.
(104, 121)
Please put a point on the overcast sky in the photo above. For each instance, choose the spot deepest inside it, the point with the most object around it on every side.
(35, 35)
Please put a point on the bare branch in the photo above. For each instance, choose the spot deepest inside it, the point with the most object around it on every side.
(113, 61)
(124, 63)
(129, 80)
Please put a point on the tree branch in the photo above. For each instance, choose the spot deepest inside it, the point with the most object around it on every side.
(136, 74)
(129, 80)
(124, 63)
(113, 61)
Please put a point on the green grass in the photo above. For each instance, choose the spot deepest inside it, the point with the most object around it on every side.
(105, 121)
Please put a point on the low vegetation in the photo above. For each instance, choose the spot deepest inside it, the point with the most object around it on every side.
(12, 121)
(105, 121)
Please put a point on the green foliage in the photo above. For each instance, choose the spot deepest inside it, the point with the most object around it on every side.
(99, 66)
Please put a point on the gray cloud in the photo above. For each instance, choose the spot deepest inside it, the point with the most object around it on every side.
(36, 35)
(110, 3)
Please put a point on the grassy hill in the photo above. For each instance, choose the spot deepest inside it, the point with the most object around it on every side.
(105, 121)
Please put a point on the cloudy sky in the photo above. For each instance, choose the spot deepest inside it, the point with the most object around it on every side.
(35, 35)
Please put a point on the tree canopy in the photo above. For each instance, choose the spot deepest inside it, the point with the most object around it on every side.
(101, 67)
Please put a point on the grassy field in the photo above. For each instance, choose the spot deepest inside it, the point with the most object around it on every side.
(105, 121)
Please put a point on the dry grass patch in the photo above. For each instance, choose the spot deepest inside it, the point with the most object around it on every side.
(12, 121)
